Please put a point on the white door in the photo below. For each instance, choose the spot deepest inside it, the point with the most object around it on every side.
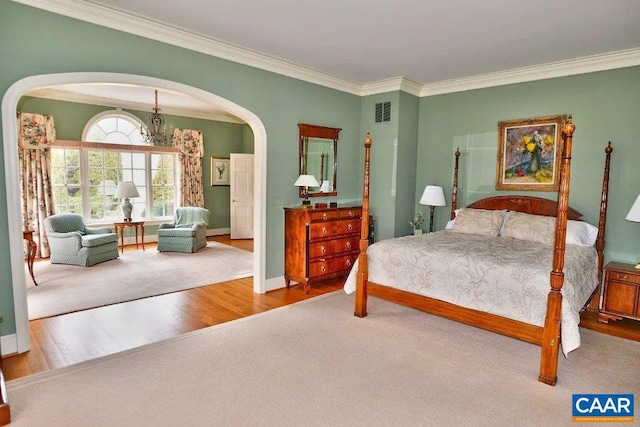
(241, 180)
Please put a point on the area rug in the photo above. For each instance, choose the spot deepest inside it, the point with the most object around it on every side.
(314, 363)
(134, 275)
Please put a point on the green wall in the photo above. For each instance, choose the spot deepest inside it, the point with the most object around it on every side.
(605, 107)
(382, 197)
(62, 45)
(220, 139)
(409, 109)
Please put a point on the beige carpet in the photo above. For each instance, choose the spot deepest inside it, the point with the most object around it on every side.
(314, 363)
(135, 274)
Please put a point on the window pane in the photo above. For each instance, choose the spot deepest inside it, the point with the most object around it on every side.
(127, 127)
(139, 161)
(96, 134)
(108, 124)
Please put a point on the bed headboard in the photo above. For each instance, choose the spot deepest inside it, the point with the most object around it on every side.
(526, 204)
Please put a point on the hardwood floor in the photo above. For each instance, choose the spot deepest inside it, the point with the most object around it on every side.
(76, 337)
(68, 339)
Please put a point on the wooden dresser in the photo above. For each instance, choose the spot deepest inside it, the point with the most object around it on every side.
(320, 244)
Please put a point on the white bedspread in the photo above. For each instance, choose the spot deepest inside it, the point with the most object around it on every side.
(499, 275)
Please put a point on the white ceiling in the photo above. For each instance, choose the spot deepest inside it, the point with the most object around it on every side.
(361, 42)
(424, 40)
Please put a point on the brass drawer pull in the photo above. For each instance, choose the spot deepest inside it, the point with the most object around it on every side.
(323, 250)
(350, 227)
(348, 245)
(348, 263)
(323, 268)
(351, 214)
(324, 216)
(624, 277)
(324, 230)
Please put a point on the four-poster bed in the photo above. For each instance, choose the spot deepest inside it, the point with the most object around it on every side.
(540, 320)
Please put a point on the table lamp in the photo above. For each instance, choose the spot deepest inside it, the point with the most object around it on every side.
(125, 190)
(306, 181)
(634, 215)
(432, 196)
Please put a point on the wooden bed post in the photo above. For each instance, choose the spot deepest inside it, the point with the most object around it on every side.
(551, 331)
(594, 303)
(363, 275)
(454, 192)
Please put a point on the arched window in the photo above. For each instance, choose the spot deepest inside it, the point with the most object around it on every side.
(86, 173)
(114, 127)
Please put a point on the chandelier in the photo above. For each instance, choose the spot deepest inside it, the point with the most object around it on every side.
(157, 131)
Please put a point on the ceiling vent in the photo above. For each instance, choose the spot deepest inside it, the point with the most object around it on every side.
(383, 112)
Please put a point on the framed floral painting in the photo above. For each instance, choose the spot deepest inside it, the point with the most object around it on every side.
(529, 152)
(220, 171)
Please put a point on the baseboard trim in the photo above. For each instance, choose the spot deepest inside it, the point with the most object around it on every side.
(9, 344)
(152, 238)
(275, 283)
(218, 231)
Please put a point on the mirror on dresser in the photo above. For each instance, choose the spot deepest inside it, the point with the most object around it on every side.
(318, 157)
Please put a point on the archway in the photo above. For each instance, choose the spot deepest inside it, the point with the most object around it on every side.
(12, 177)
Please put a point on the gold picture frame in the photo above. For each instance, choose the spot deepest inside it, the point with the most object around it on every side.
(220, 170)
(529, 152)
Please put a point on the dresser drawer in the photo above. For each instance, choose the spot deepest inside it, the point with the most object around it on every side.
(324, 216)
(333, 266)
(351, 213)
(348, 226)
(347, 244)
(322, 249)
(624, 277)
(322, 229)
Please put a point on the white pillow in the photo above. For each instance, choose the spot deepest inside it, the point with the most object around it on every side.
(534, 228)
(581, 233)
(449, 225)
(479, 221)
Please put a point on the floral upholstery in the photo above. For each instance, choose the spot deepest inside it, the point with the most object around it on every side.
(73, 243)
(187, 234)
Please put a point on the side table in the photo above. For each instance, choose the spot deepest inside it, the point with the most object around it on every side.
(32, 248)
(122, 225)
(620, 293)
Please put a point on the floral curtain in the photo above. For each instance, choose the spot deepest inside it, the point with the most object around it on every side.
(36, 133)
(191, 148)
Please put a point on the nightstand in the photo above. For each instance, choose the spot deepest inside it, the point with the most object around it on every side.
(621, 293)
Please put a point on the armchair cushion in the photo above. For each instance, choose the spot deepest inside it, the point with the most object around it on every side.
(93, 240)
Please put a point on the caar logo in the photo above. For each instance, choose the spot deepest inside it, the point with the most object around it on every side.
(603, 407)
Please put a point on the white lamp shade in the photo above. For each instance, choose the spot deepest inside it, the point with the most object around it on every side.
(126, 190)
(433, 196)
(634, 213)
(306, 181)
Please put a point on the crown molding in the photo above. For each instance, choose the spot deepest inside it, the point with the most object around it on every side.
(80, 98)
(586, 64)
(142, 26)
(391, 85)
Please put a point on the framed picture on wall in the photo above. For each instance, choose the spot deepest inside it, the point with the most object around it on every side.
(529, 152)
(220, 171)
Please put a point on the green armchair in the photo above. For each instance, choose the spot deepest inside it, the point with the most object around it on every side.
(71, 242)
(187, 234)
